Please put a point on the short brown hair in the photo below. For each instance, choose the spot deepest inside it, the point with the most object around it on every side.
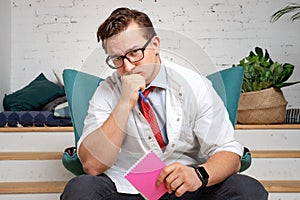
(120, 19)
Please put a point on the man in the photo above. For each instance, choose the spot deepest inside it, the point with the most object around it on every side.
(192, 132)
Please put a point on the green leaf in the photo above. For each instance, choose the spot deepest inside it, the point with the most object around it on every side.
(259, 52)
(288, 71)
(293, 7)
(280, 85)
(295, 16)
(254, 86)
(277, 72)
(246, 87)
(267, 56)
(251, 71)
(264, 85)
(252, 59)
(259, 70)
(242, 62)
(266, 64)
(273, 68)
(266, 76)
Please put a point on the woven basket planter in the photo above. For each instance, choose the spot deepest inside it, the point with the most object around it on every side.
(266, 106)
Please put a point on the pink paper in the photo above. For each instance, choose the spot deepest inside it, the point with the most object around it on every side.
(143, 176)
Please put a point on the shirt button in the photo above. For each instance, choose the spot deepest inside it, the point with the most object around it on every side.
(149, 137)
(173, 145)
(180, 94)
(178, 119)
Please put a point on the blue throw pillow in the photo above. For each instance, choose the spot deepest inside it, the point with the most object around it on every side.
(34, 96)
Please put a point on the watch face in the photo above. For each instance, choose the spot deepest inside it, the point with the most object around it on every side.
(203, 172)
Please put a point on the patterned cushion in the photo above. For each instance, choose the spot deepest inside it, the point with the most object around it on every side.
(292, 116)
(32, 118)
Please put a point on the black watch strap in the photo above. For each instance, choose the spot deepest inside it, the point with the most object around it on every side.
(203, 175)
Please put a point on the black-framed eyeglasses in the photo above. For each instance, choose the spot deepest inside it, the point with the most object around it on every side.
(133, 56)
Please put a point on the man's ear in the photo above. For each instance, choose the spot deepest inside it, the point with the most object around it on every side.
(156, 43)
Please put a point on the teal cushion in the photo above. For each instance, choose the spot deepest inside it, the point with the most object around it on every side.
(34, 96)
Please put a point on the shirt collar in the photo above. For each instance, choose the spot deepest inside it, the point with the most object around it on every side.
(161, 79)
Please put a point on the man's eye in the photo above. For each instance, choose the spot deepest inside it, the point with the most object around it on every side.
(116, 58)
(133, 53)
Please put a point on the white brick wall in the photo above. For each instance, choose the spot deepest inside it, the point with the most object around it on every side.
(61, 33)
(5, 46)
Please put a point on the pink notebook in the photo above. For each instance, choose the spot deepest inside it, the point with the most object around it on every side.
(143, 175)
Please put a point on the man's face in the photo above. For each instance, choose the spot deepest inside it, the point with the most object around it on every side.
(129, 40)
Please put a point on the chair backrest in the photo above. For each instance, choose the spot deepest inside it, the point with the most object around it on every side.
(79, 88)
(228, 84)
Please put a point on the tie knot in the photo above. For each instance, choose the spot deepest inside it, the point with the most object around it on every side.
(147, 91)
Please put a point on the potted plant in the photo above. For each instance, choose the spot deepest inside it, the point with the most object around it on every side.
(262, 101)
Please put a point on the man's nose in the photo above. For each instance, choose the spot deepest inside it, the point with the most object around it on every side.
(128, 66)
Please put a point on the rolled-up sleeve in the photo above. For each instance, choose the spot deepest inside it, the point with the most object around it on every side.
(213, 128)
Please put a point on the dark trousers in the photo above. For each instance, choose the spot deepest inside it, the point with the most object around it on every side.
(86, 187)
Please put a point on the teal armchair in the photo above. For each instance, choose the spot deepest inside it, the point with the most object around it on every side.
(79, 88)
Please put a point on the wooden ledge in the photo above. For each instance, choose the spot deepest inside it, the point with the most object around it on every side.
(273, 186)
(275, 154)
(37, 129)
(31, 187)
(31, 155)
(282, 186)
(267, 126)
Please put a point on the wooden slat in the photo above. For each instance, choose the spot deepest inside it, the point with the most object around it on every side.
(37, 129)
(267, 126)
(275, 154)
(273, 186)
(31, 187)
(30, 155)
(282, 186)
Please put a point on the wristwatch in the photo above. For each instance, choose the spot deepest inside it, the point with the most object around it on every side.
(203, 175)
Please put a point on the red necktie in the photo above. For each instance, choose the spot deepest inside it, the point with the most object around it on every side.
(151, 118)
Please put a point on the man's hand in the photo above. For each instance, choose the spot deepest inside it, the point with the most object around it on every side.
(179, 178)
(131, 84)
